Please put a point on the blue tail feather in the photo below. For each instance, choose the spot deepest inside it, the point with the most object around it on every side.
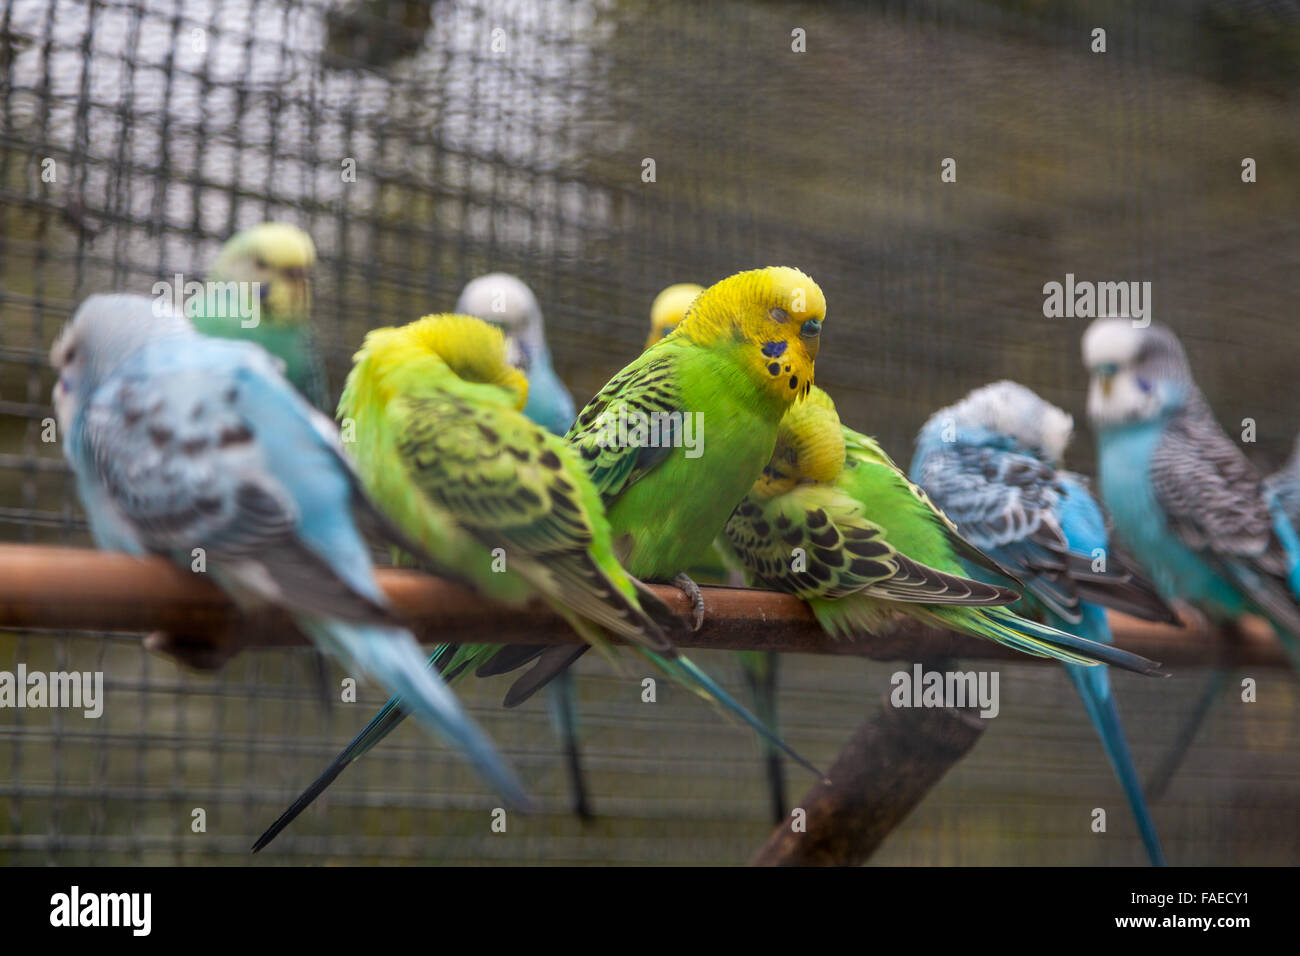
(1093, 684)
(393, 658)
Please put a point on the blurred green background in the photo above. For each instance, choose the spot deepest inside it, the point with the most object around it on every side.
(512, 137)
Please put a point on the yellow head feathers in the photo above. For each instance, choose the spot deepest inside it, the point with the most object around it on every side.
(809, 447)
(669, 307)
(279, 257)
(773, 316)
(470, 348)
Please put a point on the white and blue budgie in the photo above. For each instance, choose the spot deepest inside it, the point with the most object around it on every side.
(180, 441)
(509, 304)
(992, 462)
(1185, 500)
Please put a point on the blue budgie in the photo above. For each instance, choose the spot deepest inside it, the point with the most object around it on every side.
(1186, 501)
(180, 442)
(509, 304)
(992, 462)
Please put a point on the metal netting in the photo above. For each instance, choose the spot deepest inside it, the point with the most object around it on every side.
(136, 135)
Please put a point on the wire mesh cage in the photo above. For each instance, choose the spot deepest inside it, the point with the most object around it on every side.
(602, 151)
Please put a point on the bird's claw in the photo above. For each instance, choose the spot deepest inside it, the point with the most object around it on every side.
(688, 587)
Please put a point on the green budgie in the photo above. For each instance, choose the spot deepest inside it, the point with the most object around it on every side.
(834, 521)
(277, 257)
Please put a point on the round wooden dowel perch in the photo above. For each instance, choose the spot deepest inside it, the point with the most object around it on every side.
(60, 588)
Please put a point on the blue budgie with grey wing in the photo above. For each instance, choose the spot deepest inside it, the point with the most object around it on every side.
(992, 463)
(1186, 501)
(180, 442)
(508, 303)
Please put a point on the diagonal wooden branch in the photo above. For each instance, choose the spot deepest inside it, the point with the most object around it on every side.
(888, 766)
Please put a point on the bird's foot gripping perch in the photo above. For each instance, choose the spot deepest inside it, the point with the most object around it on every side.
(688, 587)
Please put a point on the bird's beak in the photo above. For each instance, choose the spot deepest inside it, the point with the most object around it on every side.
(1107, 383)
(516, 354)
(814, 346)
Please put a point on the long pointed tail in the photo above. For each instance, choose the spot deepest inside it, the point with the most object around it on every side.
(563, 702)
(1093, 684)
(760, 670)
(393, 658)
(1007, 627)
(1187, 731)
(681, 668)
(449, 660)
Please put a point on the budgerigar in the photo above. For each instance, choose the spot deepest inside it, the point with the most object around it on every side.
(184, 446)
(510, 305)
(669, 308)
(676, 438)
(760, 668)
(834, 521)
(1185, 500)
(442, 445)
(278, 257)
(992, 462)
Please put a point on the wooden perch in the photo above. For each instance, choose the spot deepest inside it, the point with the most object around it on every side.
(81, 589)
(885, 770)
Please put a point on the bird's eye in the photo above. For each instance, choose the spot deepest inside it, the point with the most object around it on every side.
(70, 355)
(811, 328)
(260, 263)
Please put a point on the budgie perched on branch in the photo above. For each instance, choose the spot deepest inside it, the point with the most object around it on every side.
(834, 521)
(199, 450)
(760, 668)
(278, 257)
(1185, 500)
(441, 443)
(510, 305)
(992, 462)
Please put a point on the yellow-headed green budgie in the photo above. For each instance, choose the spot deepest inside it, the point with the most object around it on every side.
(760, 668)
(834, 521)
(277, 257)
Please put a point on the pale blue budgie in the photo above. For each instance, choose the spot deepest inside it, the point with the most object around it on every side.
(992, 462)
(182, 442)
(509, 304)
(1185, 500)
